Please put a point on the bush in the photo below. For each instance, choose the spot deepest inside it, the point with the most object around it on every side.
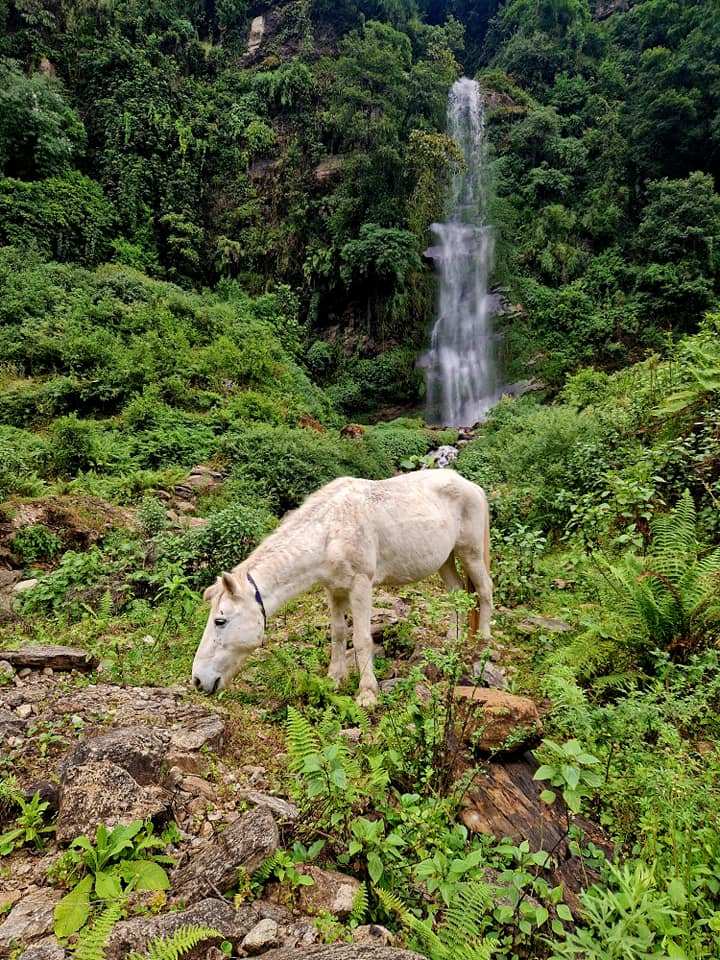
(34, 543)
(229, 536)
(287, 464)
(551, 455)
(24, 456)
(76, 445)
(398, 445)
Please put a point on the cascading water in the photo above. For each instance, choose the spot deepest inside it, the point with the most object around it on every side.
(461, 378)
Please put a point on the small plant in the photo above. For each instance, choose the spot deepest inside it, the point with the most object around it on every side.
(38, 542)
(30, 828)
(151, 516)
(109, 868)
(571, 772)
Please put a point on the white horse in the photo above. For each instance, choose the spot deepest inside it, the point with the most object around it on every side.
(348, 536)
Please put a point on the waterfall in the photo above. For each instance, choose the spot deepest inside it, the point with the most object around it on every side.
(461, 379)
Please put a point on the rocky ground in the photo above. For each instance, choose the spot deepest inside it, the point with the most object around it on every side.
(97, 752)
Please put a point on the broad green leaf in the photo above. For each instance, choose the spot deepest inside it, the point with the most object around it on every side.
(677, 892)
(375, 867)
(108, 886)
(145, 875)
(547, 796)
(571, 775)
(545, 772)
(72, 911)
(563, 911)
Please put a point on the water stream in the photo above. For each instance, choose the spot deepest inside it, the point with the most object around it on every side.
(462, 381)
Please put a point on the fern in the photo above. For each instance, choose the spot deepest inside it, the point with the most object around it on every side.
(93, 938)
(174, 946)
(671, 594)
(359, 906)
(265, 870)
(460, 936)
(302, 740)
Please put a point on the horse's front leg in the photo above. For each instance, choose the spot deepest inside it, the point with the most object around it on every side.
(361, 606)
(338, 669)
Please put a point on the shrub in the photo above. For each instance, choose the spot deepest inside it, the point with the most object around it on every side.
(229, 536)
(76, 445)
(23, 456)
(398, 445)
(287, 464)
(34, 543)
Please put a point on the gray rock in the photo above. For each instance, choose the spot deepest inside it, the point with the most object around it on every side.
(550, 624)
(246, 843)
(341, 951)
(282, 809)
(30, 919)
(11, 725)
(490, 675)
(50, 655)
(373, 934)
(23, 585)
(220, 915)
(330, 891)
(138, 750)
(103, 792)
(48, 949)
(199, 733)
(263, 935)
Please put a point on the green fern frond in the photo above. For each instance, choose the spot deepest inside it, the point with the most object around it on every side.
(359, 906)
(460, 936)
(302, 740)
(173, 947)
(93, 939)
(461, 929)
(265, 870)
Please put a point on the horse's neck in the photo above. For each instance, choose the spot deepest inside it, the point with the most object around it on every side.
(283, 569)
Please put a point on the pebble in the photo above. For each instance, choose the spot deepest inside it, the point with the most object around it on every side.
(24, 711)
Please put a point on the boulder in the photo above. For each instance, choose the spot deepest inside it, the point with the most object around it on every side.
(501, 721)
(214, 867)
(30, 919)
(50, 655)
(330, 891)
(220, 915)
(140, 750)
(104, 792)
(342, 951)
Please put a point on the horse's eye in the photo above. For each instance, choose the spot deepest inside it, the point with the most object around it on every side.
(220, 621)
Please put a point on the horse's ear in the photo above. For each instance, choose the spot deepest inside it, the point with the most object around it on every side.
(230, 583)
(212, 590)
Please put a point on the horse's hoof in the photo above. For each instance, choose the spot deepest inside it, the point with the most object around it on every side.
(367, 699)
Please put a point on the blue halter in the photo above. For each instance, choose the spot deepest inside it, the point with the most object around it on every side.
(258, 597)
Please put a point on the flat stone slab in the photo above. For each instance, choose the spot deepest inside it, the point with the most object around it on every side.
(30, 919)
(54, 656)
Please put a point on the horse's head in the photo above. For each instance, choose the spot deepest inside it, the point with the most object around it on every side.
(234, 629)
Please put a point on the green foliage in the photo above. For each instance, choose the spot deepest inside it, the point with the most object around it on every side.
(629, 918)
(34, 543)
(286, 465)
(571, 769)
(670, 593)
(226, 539)
(111, 866)
(176, 945)
(30, 826)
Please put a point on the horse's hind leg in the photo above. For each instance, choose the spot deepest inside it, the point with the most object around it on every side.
(474, 563)
(361, 606)
(453, 582)
(338, 670)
